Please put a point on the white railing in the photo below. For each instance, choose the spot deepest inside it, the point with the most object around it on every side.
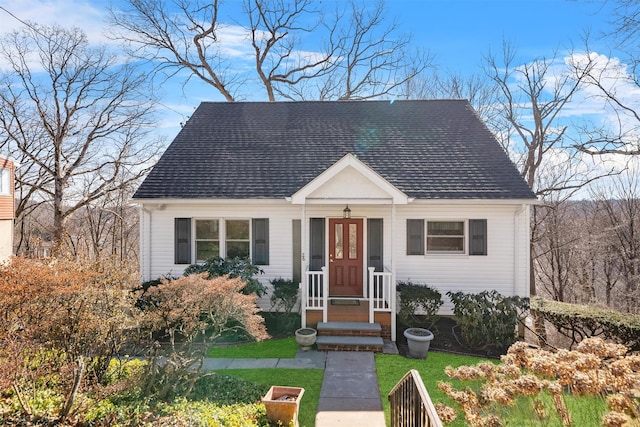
(315, 293)
(382, 292)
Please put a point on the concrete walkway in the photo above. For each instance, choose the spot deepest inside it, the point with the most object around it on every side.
(349, 395)
(303, 360)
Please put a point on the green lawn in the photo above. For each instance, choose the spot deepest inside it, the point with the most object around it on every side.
(586, 411)
(280, 349)
(391, 369)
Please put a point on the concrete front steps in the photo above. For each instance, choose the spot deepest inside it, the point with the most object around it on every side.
(349, 336)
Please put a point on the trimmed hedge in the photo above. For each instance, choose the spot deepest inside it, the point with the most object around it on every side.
(581, 321)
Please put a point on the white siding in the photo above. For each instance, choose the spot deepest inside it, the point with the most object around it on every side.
(505, 268)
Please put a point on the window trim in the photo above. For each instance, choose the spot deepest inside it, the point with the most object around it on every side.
(465, 228)
(194, 233)
(421, 233)
(249, 240)
(222, 236)
(5, 180)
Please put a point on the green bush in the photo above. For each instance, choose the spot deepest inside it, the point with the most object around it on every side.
(581, 321)
(418, 298)
(227, 390)
(234, 267)
(283, 301)
(488, 319)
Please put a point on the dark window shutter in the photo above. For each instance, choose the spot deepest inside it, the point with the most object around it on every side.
(297, 250)
(261, 241)
(316, 244)
(415, 237)
(374, 243)
(183, 240)
(477, 237)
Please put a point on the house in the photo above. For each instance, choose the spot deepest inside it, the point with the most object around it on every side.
(345, 197)
(7, 207)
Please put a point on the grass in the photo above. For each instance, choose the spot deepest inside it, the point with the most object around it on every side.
(309, 379)
(391, 369)
(285, 348)
(586, 411)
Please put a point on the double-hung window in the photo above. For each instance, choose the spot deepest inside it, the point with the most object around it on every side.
(227, 238)
(237, 238)
(445, 237)
(207, 239)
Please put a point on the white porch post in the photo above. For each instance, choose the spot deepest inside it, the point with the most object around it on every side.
(371, 293)
(325, 294)
(305, 277)
(393, 271)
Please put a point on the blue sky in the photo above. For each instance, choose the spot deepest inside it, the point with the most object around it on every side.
(458, 33)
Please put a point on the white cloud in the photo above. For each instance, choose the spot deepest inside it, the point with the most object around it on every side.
(88, 16)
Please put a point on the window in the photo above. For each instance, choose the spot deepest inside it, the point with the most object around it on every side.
(221, 238)
(5, 181)
(237, 241)
(445, 236)
(207, 239)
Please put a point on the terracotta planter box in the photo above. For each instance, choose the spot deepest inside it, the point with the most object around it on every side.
(282, 404)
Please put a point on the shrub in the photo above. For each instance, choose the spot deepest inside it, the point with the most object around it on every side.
(193, 311)
(580, 321)
(234, 267)
(488, 319)
(418, 298)
(595, 369)
(283, 301)
(62, 321)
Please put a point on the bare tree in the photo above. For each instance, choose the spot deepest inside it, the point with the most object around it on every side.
(533, 97)
(478, 89)
(361, 58)
(620, 203)
(77, 118)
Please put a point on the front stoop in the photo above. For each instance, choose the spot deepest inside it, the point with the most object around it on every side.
(349, 336)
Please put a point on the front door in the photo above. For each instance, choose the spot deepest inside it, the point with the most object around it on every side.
(345, 257)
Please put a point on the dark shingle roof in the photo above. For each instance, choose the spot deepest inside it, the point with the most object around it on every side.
(436, 149)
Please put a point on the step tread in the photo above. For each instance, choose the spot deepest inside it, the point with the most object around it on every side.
(341, 340)
(348, 326)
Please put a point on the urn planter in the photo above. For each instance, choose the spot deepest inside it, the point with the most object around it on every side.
(418, 340)
(283, 404)
(306, 337)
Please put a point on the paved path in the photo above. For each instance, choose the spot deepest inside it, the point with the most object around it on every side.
(349, 395)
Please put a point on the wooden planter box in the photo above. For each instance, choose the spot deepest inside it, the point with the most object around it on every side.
(282, 404)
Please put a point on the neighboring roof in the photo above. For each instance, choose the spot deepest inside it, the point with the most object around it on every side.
(433, 149)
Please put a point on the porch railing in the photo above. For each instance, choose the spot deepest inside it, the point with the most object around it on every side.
(315, 293)
(381, 292)
(411, 405)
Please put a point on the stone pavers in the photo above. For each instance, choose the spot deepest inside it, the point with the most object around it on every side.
(350, 395)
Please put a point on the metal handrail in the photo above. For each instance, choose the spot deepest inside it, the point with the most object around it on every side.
(411, 405)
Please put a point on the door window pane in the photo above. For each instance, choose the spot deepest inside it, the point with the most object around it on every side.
(353, 241)
(339, 249)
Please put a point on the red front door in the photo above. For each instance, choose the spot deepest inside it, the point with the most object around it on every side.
(345, 257)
